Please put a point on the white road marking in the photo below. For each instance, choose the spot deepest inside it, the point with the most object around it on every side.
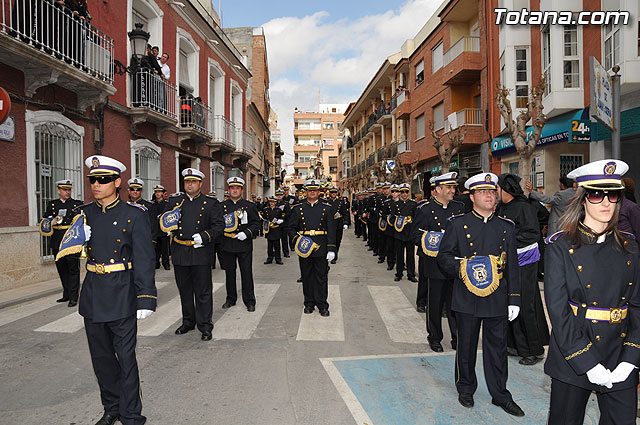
(238, 323)
(350, 399)
(403, 322)
(314, 327)
(68, 324)
(11, 314)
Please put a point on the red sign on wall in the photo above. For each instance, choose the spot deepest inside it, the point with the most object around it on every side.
(5, 105)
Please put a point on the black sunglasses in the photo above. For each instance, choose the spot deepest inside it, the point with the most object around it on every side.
(102, 179)
(597, 196)
(135, 189)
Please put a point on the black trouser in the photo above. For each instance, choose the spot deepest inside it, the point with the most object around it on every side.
(162, 250)
(357, 224)
(407, 247)
(423, 284)
(113, 353)
(494, 355)
(69, 271)
(339, 233)
(569, 402)
(196, 295)
(529, 328)
(285, 240)
(315, 282)
(390, 244)
(244, 260)
(382, 244)
(363, 229)
(373, 235)
(440, 297)
(273, 249)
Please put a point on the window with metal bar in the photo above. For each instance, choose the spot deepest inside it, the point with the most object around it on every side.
(147, 169)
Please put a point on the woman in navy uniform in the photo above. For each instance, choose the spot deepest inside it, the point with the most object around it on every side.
(192, 252)
(273, 215)
(237, 246)
(592, 296)
(478, 250)
(69, 266)
(118, 288)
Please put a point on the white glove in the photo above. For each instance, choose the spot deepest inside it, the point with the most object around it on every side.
(279, 221)
(621, 372)
(331, 256)
(169, 234)
(143, 314)
(345, 227)
(87, 233)
(600, 376)
(514, 310)
(198, 240)
(240, 236)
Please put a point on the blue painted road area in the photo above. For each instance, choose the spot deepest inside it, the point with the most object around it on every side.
(420, 390)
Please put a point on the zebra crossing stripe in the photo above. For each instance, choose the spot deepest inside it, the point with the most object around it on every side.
(21, 311)
(314, 327)
(238, 323)
(68, 324)
(400, 318)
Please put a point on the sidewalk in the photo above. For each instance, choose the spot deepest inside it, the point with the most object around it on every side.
(25, 293)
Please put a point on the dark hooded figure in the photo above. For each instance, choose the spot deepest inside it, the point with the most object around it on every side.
(529, 332)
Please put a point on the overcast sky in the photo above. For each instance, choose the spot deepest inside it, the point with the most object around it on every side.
(334, 47)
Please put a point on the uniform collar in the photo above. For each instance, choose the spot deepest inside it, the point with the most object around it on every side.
(314, 203)
(195, 197)
(104, 208)
(481, 217)
(590, 235)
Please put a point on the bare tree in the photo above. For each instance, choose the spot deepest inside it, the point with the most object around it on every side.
(517, 128)
(456, 139)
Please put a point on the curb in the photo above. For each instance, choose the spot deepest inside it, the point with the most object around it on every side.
(26, 298)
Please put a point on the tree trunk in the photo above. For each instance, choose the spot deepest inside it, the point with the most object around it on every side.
(524, 168)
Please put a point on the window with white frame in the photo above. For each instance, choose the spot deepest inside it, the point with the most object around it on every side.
(522, 78)
(145, 164)
(437, 57)
(327, 125)
(150, 16)
(216, 88)
(571, 65)
(420, 128)
(419, 72)
(217, 179)
(438, 116)
(611, 45)
(546, 56)
(188, 53)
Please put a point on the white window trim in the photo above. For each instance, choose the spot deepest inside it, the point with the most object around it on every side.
(433, 68)
(548, 68)
(184, 36)
(32, 119)
(573, 58)
(195, 163)
(218, 102)
(237, 120)
(143, 143)
(614, 29)
(515, 70)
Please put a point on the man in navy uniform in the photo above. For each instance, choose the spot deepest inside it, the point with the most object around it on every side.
(431, 218)
(136, 186)
(237, 246)
(478, 250)
(313, 219)
(403, 211)
(285, 205)
(118, 289)
(388, 247)
(273, 215)
(340, 214)
(192, 242)
(68, 267)
(162, 241)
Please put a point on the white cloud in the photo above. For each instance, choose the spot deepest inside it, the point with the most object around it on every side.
(337, 55)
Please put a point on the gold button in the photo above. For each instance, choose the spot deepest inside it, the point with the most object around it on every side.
(579, 268)
(630, 283)
(475, 253)
(435, 218)
(468, 236)
(118, 240)
(571, 251)
(124, 230)
(629, 263)
(626, 243)
(595, 303)
(470, 243)
(112, 261)
(623, 335)
(588, 286)
(128, 221)
(597, 337)
(180, 234)
(115, 252)
(623, 298)
(594, 321)
(505, 232)
(583, 305)
(465, 226)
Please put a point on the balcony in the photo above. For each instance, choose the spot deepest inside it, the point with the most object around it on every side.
(222, 133)
(51, 46)
(404, 145)
(393, 150)
(307, 148)
(301, 164)
(244, 141)
(403, 105)
(462, 63)
(371, 160)
(194, 120)
(153, 99)
(467, 116)
(382, 153)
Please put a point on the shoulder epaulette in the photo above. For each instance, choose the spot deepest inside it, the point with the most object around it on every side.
(508, 220)
(553, 238)
(135, 204)
(210, 196)
(82, 206)
(423, 203)
(327, 204)
(456, 202)
(628, 234)
(173, 195)
(454, 217)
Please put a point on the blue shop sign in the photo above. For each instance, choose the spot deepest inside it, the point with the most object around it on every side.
(556, 130)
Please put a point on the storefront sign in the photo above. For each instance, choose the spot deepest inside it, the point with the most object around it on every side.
(580, 131)
(5, 105)
(8, 129)
(438, 168)
(601, 93)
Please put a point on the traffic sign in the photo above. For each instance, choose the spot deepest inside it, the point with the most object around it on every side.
(5, 105)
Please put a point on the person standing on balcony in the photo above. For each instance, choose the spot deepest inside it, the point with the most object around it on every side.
(164, 66)
(404, 212)
(241, 224)
(68, 267)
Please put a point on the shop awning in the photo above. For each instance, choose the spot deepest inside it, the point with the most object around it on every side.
(555, 130)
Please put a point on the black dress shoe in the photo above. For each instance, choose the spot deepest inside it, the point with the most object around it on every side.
(72, 303)
(206, 336)
(228, 304)
(413, 279)
(251, 308)
(369, 249)
(421, 309)
(308, 310)
(397, 278)
(279, 262)
(167, 267)
(286, 255)
(183, 329)
(333, 261)
(512, 352)
(529, 360)
(390, 267)
(107, 419)
(380, 260)
(436, 346)
(268, 261)
(62, 300)
(324, 313)
(466, 400)
(299, 280)
(510, 407)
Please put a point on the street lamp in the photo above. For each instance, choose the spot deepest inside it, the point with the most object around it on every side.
(139, 39)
